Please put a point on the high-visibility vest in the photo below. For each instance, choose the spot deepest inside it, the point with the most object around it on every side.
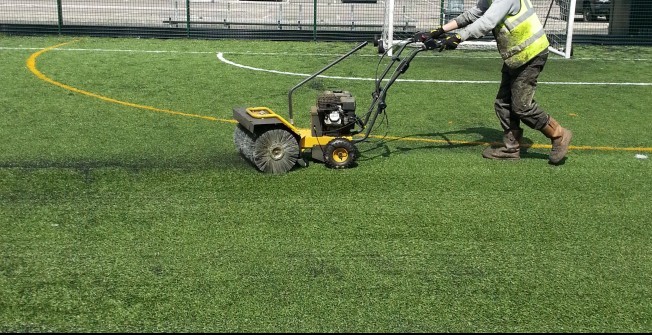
(520, 37)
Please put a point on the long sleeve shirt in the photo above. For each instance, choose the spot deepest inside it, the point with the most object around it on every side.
(478, 21)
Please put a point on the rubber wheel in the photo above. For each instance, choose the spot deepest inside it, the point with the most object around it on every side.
(276, 151)
(340, 153)
(381, 47)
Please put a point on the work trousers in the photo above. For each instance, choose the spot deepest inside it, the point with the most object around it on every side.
(515, 99)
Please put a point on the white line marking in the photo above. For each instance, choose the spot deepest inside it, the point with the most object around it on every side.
(283, 54)
(220, 56)
(115, 50)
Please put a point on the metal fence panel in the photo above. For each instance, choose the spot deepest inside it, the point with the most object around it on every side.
(597, 21)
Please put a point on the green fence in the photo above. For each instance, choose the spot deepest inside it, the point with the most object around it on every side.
(625, 22)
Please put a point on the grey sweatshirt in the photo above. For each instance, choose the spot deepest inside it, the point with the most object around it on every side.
(482, 18)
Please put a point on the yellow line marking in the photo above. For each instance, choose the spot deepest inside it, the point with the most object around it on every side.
(31, 65)
(534, 145)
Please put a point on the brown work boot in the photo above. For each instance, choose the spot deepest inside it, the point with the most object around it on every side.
(560, 138)
(510, 148)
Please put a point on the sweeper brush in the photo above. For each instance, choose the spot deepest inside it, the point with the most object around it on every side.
(275, 150)
(275, 145)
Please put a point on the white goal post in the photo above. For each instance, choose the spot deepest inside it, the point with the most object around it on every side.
(386, 41)
(559, 26)
(554, 15)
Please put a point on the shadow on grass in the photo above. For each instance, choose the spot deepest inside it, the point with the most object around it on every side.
(221, 160)
(488, 136)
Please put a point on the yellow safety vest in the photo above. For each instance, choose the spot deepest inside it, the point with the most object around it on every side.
(520, 37)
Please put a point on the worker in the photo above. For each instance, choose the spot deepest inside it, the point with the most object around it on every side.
(523, 46)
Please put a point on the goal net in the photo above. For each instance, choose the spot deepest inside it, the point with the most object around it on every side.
(558, 25)
(426, 15)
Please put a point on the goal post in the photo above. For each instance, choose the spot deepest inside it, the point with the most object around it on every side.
(554, 15)
(386, 41)
(559, 22)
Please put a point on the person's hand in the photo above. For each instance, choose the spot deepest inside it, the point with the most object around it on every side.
(421, 36)
(450, 42)
(431, 44)
(437, 33)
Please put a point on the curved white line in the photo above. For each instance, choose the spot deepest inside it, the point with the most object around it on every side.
(220, 56)
(317, 54)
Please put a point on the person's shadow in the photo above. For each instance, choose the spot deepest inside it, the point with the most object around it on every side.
(488, 136)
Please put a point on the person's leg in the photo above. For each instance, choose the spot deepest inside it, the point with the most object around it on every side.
(560, 138)
(503, 103)
(509, 122)
(530, 113)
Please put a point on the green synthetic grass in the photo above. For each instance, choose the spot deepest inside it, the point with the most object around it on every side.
(117, 218)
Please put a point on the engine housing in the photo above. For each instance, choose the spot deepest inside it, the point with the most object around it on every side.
(334, 114)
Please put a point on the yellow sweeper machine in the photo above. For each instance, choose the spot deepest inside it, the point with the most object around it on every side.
(275, 145)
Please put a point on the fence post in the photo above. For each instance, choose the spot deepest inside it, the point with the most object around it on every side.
(314, 21)
(187, 18)
(59, 16)
(441, 13)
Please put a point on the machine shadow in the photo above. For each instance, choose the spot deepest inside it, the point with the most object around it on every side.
(488, 136)
(219, 161)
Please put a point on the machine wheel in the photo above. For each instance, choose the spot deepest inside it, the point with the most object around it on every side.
(379, 44)
(340, 153)
(276, 151)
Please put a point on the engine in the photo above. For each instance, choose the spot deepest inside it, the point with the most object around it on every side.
(334, 114)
